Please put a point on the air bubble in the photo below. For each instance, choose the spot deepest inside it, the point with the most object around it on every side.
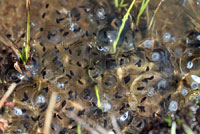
(151, 92)
(184, 92)
(103, 49)
(194, 85)
(106, 106)
(174, 39)
(162, 84)
(189, 65)
(198, 2)
(72, 26)
(21, 77)
(17, 111)
(124, 117)
(166, 37)
(155, 56)
(198, 36)
(173, 106)
(40, 99)
(111, 35)
(195, 78)
(58, 98)
(61, 85)
(147, 43)
(101, 13)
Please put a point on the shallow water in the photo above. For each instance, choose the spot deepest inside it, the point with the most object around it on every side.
(70, 47)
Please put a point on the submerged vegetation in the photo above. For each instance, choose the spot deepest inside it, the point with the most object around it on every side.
(24, 55)
(100, 67)
(122, 27)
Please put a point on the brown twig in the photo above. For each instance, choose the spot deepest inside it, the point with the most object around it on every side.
(115, 125)
(7, 94)
(82, 123)
(49, 113)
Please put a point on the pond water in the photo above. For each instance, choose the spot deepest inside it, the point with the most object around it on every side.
(153, 74)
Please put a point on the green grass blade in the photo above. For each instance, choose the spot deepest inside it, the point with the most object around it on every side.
(116, 3)
(79, 129)
(28, 29)
(187, 129)
(98, 97)
(154, 14)
(142, 9)
(169, 120)
(151, 22)
(122, 26)
(121, 3)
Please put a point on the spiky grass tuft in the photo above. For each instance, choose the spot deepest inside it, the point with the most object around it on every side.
(24, 55)
(142, 9)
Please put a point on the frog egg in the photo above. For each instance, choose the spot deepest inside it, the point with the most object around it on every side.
(17, 111)
(194, 85)
(147, 43)
(124, 117)
(173, 106)
(155, 56)
(166, 37)
(40, 99)
(184, 92)
(189, 65)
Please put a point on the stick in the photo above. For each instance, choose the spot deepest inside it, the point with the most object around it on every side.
(7, 94)
(49, 113)
(82, 122)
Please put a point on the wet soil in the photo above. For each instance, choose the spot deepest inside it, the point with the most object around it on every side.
(154, 74)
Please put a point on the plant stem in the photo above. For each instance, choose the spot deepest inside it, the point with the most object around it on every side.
(122, 27)
(79, 129)
(116, 3)
(98, 97)
(142, 8)
(155, 12)
(28, 29)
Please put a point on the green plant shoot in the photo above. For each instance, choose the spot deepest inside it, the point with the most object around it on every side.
(79, 129)
(24, 55)
(122, 26)
(96, 90)
(142, 9)
(154, 14)
(98, 97)
(173, 128)
(169, 120)
(187, 129)
(116, 3)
